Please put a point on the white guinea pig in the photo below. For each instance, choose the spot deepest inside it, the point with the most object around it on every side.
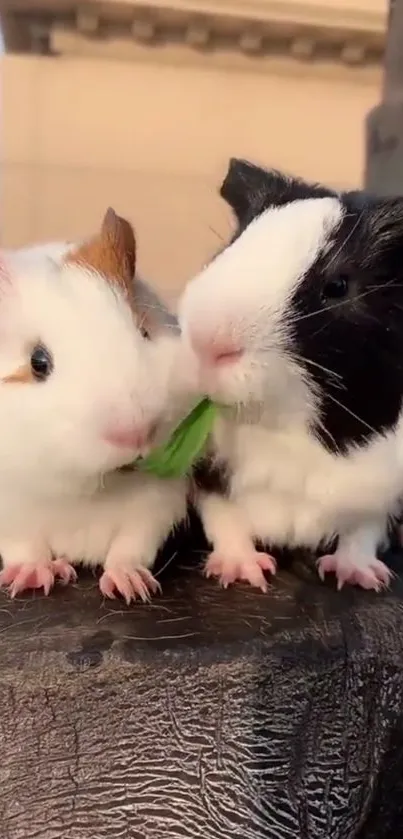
(297, 327)
(85, 388)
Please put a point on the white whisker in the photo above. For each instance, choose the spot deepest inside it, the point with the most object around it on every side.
(304, 360)
(346, 240)
(327, 433)
(338, 305)
(344, 408)
(320, 367)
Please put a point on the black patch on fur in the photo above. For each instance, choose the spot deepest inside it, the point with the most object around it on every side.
(359, 338)
(211, 475)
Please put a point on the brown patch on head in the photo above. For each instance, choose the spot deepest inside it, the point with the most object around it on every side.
(23, 375)
(112, 253)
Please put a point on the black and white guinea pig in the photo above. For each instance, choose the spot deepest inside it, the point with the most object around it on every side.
(297, 328)
(88, 382)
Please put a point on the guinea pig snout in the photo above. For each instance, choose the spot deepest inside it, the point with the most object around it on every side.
(139, 436)
(216, 351)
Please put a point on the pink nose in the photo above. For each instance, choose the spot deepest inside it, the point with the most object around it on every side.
(217, 351)
(136, 437)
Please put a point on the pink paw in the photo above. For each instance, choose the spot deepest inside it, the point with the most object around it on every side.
(130, 584)
(365, 571)
(32, 575)
(248, 568)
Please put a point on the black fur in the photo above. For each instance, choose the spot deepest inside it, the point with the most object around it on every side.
(209, 475)
(360, 337)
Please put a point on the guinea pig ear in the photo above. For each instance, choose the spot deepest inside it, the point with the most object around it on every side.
(243, 188)
(112, 252)
(250, 189)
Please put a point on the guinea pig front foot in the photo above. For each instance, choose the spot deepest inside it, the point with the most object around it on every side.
(356, 569)
(130, 583)
(248, 567)
(43, 573)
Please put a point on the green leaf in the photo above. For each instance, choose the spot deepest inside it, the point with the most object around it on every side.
(175, 458)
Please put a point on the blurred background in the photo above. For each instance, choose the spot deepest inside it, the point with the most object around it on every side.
(139, 105)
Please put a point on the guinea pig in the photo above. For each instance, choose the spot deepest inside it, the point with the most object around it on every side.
(85, 389)
(297, 330)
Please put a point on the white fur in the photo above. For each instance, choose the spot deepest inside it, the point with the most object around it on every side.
(38, 254)
(56, 490)
(286, 488)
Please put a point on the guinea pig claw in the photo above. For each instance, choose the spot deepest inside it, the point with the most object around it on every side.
(36, 575)
(64, 571)
(130, 584)
(248, 568)
(368, 572)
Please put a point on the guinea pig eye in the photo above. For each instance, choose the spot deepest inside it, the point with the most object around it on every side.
(41, 363)
(336, 288)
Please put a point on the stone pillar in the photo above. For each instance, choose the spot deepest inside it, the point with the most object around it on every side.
(384, 124)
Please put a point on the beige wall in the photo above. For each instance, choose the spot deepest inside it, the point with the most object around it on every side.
(153, 140)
